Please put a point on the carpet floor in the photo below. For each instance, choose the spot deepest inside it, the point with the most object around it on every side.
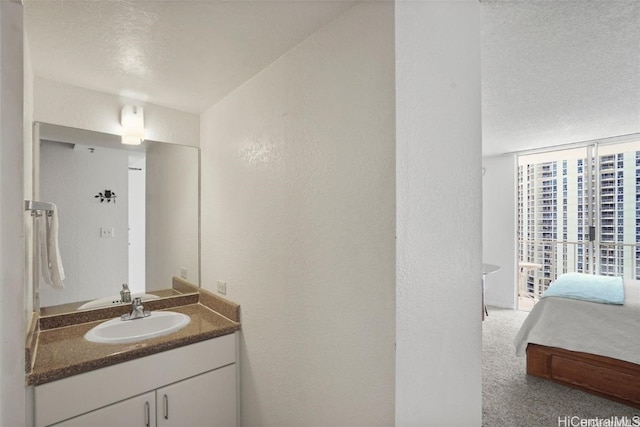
(511, 398)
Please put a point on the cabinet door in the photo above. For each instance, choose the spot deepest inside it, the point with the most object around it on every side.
(139, 411)
(206, 400)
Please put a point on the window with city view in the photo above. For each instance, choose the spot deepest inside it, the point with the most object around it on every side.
(578, 210)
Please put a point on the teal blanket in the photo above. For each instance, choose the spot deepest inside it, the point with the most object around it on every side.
(587, 287)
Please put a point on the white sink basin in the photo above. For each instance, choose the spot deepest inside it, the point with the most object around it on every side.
(117, 331)
(113, 300)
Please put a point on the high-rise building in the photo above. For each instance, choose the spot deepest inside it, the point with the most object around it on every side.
(577, 213)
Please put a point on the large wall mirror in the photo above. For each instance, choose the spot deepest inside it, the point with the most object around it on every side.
(127, 214)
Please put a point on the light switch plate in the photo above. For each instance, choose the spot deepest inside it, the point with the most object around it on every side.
(222, 287)
(106, 232)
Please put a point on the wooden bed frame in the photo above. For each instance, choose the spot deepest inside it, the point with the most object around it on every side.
(611, 378)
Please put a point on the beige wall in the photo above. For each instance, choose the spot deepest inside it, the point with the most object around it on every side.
(12, 217)
(299, 218)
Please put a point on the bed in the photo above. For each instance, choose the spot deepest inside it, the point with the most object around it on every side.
(588, 345)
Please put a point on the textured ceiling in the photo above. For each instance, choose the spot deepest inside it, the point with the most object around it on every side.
(553, 72)
(181, 54)
(556, 72)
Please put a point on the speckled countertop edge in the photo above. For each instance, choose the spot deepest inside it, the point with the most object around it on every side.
(31, 342)
(227, 308)
(66, 353)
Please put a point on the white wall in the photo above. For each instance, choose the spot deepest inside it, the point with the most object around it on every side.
(28, 195)
(137, 224)
(12, 217)
(439, 214)
(66, 105)
(172, 212)
(94, 266)
(28, 176)
(298, 218)
(499, 236)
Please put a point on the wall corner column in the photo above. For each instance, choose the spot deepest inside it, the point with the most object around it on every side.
(439, 213)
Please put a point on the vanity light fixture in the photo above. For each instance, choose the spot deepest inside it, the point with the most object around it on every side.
(132, 121)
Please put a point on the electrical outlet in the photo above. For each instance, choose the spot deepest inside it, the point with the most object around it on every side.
(184, 273)
(222, 287)
(106, 232)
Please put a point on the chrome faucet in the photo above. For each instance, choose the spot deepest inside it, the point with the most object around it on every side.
(137, 311)
(125, 293)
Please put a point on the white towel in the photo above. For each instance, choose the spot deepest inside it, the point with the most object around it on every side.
(52, 270)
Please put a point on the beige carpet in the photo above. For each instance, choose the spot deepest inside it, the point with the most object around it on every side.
(511, 398)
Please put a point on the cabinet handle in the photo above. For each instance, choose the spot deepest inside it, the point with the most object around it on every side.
(166, 407)
(147, 415)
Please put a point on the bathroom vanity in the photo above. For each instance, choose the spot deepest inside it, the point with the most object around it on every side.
(188, 378)
(194, 385)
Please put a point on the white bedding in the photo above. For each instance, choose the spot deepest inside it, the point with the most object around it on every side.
(589, 327)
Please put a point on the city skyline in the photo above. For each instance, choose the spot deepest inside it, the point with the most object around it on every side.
(579, 212)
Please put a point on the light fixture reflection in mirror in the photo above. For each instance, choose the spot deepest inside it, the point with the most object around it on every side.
(146, 238)
(132, 121)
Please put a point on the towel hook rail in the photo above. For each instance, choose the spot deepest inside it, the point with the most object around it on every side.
(38, 207)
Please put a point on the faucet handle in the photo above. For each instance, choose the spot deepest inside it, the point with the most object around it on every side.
(137, 310)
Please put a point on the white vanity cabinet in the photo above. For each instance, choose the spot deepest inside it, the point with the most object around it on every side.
(200, 401)
(136, 411)
(195, 385)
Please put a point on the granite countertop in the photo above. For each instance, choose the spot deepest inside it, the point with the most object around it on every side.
(62, 351)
